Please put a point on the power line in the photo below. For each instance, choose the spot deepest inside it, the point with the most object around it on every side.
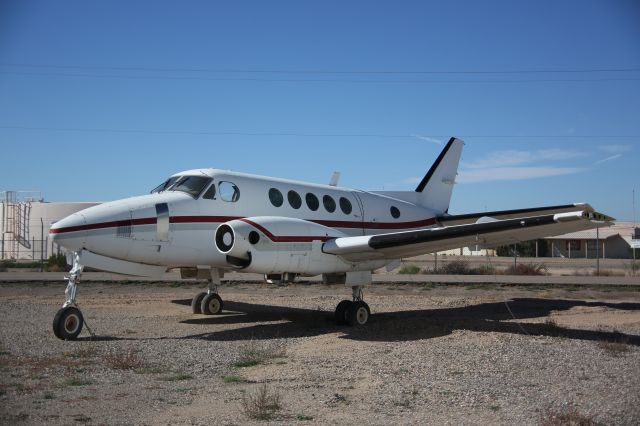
(302, 134)
(320, 71)
(321, 80)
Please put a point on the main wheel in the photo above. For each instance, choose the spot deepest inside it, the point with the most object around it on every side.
(196, 302)
(358, 313)
(211, 304)
(67, 324)
(341, 312)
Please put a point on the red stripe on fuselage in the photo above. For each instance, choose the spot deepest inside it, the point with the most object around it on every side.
(222, 219)
(285, 238)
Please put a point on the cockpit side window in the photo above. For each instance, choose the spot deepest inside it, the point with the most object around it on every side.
(229, 191)
(165, 185)
(211, 192)
(192, 185)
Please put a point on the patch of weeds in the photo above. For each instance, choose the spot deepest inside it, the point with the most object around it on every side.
(183, 390)
(48, 395)
(262, 404)
(129, 360)
(304, 418)
(528, 269)
(81, 418)
(254, 353)
(176, 377)
(82, 353)
(233, 379)
(403, 371)
(456, 373)
(616, 348)
(404, 403)
(551, 325)
(77, 381)
(494, 407)
(567, 415)
(339, 398)
(149, 370)
(409, 269)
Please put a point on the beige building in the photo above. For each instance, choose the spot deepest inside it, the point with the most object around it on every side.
(612, 242)
(25, 223)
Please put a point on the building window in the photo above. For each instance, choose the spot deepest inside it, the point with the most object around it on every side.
(276, 197)
(329, 203)
(345, 205)
(573, 245)
(592, 245)
(294, 199)
(395, 212)
(229, 191)
(312, 201)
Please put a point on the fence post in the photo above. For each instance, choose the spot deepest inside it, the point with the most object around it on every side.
(42, 245)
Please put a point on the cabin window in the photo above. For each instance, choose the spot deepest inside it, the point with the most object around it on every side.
(345, 205)
(192, 185)
(395, 212)
(329, 203)
(276, 197)
(229, 191)
(211, 193)
(165, 185)
(294, 199)
(312, 201)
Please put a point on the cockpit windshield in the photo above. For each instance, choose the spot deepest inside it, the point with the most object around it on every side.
(165, 185)
(192, 185)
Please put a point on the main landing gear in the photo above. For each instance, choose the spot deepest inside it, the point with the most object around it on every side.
(353, 312)
(68, 322)
(209, 302)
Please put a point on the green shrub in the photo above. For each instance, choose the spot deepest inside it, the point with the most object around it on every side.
(57, 263)
(409, 270)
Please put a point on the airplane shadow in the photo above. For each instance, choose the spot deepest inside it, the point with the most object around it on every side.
(264, 322)
(405, 325)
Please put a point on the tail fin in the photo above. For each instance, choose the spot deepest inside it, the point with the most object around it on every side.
(434, 191)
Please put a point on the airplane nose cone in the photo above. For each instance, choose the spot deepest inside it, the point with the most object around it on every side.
(69, 232)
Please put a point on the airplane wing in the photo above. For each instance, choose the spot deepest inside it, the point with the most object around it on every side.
(463, 219)
(486, 232)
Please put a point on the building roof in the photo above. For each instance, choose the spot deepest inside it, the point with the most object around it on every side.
(624, 229)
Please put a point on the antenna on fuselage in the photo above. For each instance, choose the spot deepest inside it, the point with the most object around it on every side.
(334, 179)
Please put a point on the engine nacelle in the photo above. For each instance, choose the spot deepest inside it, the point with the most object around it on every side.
(269, 244)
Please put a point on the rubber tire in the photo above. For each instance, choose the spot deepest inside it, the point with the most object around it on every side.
(358, 313)
(211, 304)
(68, 322)
(341, 312)
(196, 302)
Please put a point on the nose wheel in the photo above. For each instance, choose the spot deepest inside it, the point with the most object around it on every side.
(67, 324)
(68, 321)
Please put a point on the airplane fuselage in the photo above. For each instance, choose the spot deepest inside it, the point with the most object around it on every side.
(175, 228)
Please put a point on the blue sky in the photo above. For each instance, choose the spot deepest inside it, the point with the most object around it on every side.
(102, 100)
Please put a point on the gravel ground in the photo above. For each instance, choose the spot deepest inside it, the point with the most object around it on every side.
(430, 355)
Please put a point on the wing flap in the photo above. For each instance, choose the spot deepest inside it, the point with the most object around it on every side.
(485, 234)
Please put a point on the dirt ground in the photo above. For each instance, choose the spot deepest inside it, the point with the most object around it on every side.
(430, 355)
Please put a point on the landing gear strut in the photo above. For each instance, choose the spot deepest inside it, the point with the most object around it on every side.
(68, 322)
(209, 302)
(353, 312)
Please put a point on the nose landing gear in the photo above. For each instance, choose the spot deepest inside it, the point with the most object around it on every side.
(68, 321)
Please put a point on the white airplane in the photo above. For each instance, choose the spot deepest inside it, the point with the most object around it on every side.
(215, 220)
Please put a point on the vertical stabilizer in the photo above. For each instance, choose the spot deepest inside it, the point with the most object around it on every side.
(434, 191)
